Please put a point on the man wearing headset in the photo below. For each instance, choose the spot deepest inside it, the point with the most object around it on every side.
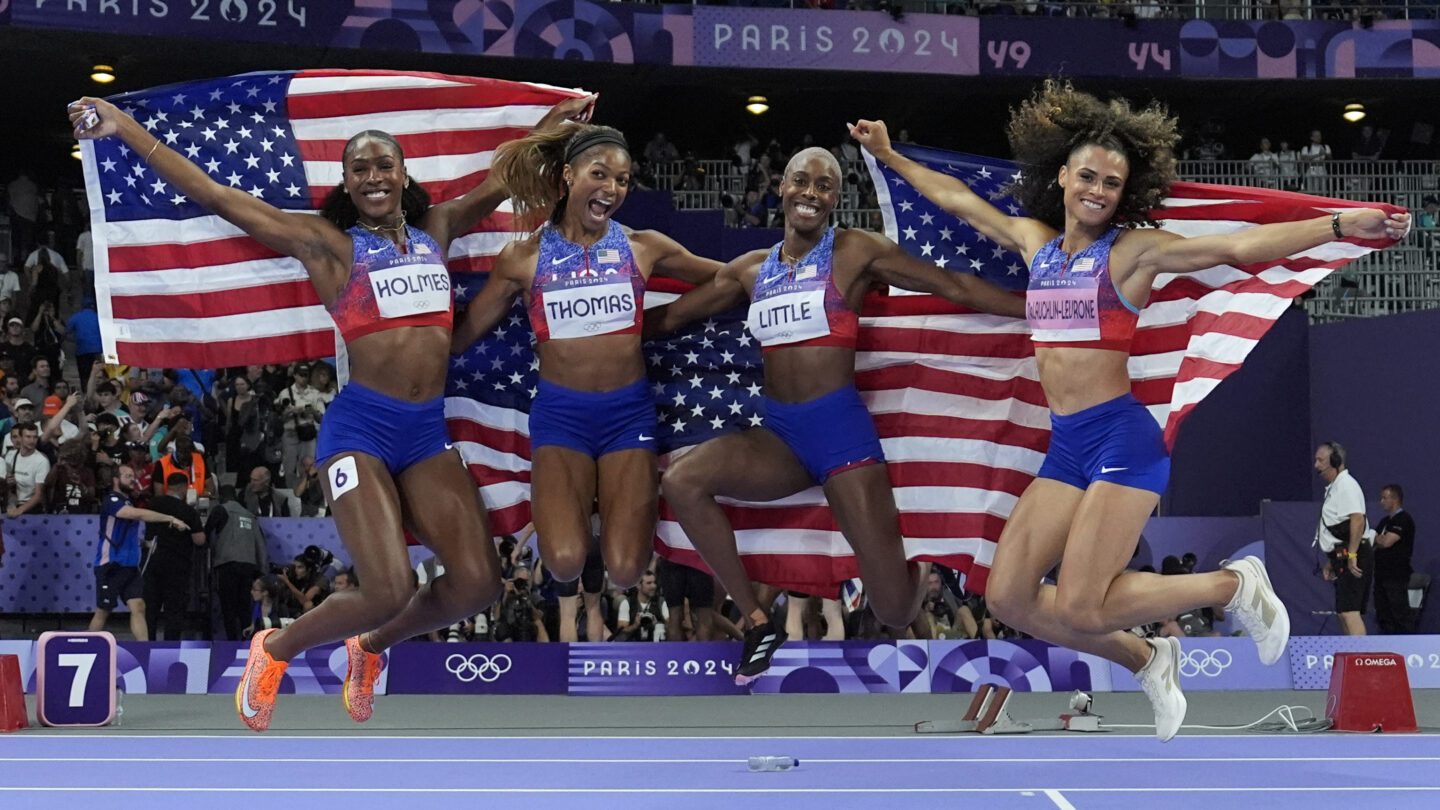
(1344, 536)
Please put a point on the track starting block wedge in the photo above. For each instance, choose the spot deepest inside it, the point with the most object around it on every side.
(989, 713)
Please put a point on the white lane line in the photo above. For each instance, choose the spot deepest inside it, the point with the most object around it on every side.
(652, 790)
(692, 761)
(1060, 801)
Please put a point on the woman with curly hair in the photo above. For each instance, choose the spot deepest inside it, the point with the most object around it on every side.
(376, 260)
(1092, 170)
(582, 277)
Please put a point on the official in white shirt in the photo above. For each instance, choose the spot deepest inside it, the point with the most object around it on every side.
(1345, 537)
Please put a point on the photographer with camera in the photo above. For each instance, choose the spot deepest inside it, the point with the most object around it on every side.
(1344, 535)
(642, 614)
(303, 581)
(518, 618)
(301, 407)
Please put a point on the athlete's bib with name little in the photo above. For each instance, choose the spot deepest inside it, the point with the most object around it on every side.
(789, 313)
(409, 284)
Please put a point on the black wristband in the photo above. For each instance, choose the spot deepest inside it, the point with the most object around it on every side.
(1335, 225)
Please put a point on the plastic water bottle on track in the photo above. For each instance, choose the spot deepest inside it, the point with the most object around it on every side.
(770, 764)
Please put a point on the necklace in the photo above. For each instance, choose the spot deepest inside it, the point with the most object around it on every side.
(786, 257)
(397, 227)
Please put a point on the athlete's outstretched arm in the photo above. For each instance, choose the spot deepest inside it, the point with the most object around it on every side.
(718, 294)
(310, 239)
(1019, 234)
(493, 301)
(670, 259)
(1165, 252)
(892, 265)
(455, 218)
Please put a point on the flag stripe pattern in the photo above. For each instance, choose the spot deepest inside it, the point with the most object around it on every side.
(178, 286)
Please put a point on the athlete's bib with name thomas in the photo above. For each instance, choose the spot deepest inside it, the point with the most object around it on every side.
(585, 307)
(410, 284)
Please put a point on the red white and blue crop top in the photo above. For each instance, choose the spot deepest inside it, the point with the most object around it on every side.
(582, 292)
(800, 305)
(388, 289)
(1072, 301)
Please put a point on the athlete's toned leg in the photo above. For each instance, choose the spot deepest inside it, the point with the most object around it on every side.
(562, 498)
(1030, 546)
(1097, 595)
(864, 507)
(753, 465)
(366, 507)
(629, 502)
(441, 504)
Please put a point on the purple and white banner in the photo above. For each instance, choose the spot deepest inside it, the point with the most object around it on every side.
(638, 668)
(1312, 657)
(727, 36)
(420, 668)
(1217, 664)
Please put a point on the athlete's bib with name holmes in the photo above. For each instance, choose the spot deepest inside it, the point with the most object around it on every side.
(410, 285)
(584, 307)
(789, 313)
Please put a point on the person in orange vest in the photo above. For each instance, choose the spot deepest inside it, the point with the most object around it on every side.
(184, 458)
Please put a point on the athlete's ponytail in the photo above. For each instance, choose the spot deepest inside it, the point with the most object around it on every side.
(532, 168)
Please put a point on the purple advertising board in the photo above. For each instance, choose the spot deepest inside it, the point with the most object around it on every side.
(1059, 46)
(1216, 665)
(1025, 666)
(1312, 657)
(639, 668)
(729, 36)
(854, 667)
(477, 669)
(779, 38)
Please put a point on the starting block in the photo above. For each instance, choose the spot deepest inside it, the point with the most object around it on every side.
(1370, 692)
(989, 713)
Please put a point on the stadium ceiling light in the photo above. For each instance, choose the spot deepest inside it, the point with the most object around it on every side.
(1353, 112)
(757, 105)
(102, 74)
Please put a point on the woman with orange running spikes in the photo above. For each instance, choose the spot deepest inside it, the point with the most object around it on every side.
(378, 227)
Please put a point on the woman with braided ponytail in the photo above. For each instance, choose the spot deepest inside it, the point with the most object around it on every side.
(1092, 171)
(582, 276)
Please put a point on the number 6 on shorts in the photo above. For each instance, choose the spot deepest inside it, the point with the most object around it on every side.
(343, 477)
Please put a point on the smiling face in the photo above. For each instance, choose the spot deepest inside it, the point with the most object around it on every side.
(1093, 182)
(810, 189)
(374, 179)
(598, 179)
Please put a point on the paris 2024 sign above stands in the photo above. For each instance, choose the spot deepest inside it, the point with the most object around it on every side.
(780, 39)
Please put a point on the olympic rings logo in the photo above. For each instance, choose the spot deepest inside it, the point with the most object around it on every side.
(1204, 662)
(479, 665)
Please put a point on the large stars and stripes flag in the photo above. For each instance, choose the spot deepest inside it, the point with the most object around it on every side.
(178, 286)
(1197, 328)
(955, 396)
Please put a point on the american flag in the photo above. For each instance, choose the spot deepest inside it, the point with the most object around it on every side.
(955, 396)
(177, 286)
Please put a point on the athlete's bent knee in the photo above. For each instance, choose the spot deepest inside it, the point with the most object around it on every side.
(893, 610)
(566, 563)
(683, 482)
(625, 574)
(1080, 614)
(382, 601)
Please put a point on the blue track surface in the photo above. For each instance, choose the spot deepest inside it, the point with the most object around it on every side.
(46, 770)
